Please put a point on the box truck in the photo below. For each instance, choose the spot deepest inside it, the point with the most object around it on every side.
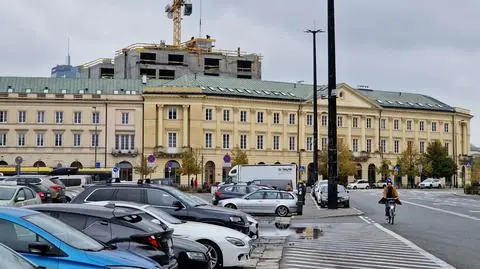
(276, 175)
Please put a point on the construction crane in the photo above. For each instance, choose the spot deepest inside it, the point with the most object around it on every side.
(174, 11)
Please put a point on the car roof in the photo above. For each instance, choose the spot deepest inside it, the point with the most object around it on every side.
(16, 211)
(86, 209)
(131, 185)
(10, 186)
(119, 203)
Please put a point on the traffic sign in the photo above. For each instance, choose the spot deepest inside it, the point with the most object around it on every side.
(151, 158)
(396, 168)
(18, 160)
(301, 169)
(115, 172)
(227, 158)
(97, 165)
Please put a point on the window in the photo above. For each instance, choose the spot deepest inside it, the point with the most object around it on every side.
(309, 143)
(369, 123)
(58, 139)
(339, 121)
(129, 195)
(3, 139)
(58, 117)
(355, 145)
(309, 119)
(226, 141)
(226, 115)
(208, 140)
(422, 147)
(447, 148)
(124, 142)
(383, 124)
(21, 139)
(409, 125)
(3, 117)
(291, 119)
(101, 195)
(383, 145)
(94, 140)
(40, 139)
(355, 122)
(160, 198)
(324, 143)
(259, 141)
(276, 142)
(292, 143)
(276, 118)
(324, 120)
(396, 146)
(76, 140)
(172, 113)
(243, 141)
(260, 117)
(77, 117)
(445, 127)
(125, 116)
(243, 116)
(22, 116)
(208, 114)
(396, 125)
(421, 126)
(434, 126)
(369, 145)
(172, 140)
(95, 117)
(40, 116)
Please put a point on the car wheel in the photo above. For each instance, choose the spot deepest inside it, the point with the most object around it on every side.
(322, 204)
(68, 200)
(367, 187)
(439, 186)
(232, 206)
(355, 187)
(282, 211)
(216, 259)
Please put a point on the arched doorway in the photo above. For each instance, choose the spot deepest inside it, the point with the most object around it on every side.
(261, 163)
(171, 171)
(126, 170)
(3, 163)
(358, 174)
(210, 172)
(39, 164)
(463, 175)
(77, 164)
(310, 178)
(277, 162)
(371, 174)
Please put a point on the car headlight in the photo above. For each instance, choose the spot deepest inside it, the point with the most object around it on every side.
(198, 256)
(235, 241)
(251, 220)
(236, 219)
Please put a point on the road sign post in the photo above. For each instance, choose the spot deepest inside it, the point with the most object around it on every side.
(18, 163)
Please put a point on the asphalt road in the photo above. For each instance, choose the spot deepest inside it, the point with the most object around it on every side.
(440, 222)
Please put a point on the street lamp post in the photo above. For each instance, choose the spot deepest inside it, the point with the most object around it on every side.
(315, 113)
(95, 118)
(332, 111)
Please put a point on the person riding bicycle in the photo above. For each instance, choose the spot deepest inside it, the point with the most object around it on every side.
(389, 193)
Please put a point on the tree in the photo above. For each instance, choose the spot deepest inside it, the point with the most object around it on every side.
(408, 161)
(142, 169)
(385, 169)
(442, 164)
(239, 157)
(346, 167)
(190, 164)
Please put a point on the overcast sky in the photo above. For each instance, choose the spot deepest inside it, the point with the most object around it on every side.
(428, 46)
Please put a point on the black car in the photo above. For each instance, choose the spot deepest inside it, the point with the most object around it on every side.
(234, 190)
(169, 199)
(126, 229)
(43, 192)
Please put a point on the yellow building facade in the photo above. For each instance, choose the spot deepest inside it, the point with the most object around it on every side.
(273, 123)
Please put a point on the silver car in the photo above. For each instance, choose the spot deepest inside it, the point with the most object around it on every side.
(18, 196)
(281, 203)
(342, 196)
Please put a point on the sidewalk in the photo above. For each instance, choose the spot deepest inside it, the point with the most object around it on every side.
(267, 253)
(312, 211)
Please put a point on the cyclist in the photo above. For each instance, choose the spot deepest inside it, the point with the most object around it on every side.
(388, 193)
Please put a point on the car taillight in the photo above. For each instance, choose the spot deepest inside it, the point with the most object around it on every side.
(56, 187)
(218, 194)
(41, 194)
(150, 240)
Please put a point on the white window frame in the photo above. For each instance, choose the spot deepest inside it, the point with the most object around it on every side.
(77, 140)
(3, 139)
(292, 143)
(276, 142)
(292, 119)
(125, 118)
(309, 143)
(22, 116)
(208, 140)
(369, 145)
(421, 126)
(96, 117)
(124, 141)
(260, 117)
(421, 146)
(41, 116)
(226, 141)
(243, 141)
(355, 145)
(243, 116)
(396, 146)
(396, 124)
(4, 116)
(447, 147)
(324, 143)
(309, 119)
(409, 125)
(383, 145)
(172, 139)
(21, 139)
(368, 123)
(95, 138)
(40, 139)
(260, 142)
(58, 139)
(383, 124)
(276, 118)
(77, 117)
(446, 127)
(226, 115)
(339, 121)
(355, 122)
(434, 126)
(324, 120)
(59, 117)
(208, 114)
(172, 113)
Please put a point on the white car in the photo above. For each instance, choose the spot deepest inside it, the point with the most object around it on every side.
(228, 247)
(359, 184)
(430, 183)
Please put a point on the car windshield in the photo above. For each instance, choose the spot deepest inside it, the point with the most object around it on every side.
(185, 198)
(57, 181)
(428, 180)
(163, 215)
(141, 221)
(7, 193)
(64, 232)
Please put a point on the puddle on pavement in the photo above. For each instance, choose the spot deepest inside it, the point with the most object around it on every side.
(281, 227)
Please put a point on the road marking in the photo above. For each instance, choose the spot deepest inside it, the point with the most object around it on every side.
(364, 219)
(475, 211)
(444, 211)
(409, 243)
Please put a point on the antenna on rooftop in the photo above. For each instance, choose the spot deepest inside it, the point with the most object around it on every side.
(68, 51)
(200, 21)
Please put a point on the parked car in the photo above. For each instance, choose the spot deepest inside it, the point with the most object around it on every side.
(74, 184)
(53, 183)
(359, 184)
(281, 203)
(12, 260)
(51, 243)
(234, 190)
(17, 196)
(170, 199)
(43, 192)
(126, 229)
(343, 197)
(430, 183)
(316, 189)
(381, 183)
(228, 247)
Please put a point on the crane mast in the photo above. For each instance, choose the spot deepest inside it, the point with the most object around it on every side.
(174, 12)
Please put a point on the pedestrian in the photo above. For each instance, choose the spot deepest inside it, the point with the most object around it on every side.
(289, 187)
(196, 183)
(191, 183)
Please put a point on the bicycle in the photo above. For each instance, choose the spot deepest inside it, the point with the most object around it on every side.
(392, 205)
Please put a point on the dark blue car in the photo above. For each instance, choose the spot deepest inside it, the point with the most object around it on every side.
(53, 244)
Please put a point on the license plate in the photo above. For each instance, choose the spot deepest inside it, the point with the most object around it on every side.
(48, 195)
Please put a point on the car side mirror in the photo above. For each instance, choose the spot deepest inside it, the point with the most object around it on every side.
(20, 199)
(39, 248)
(178, 205)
